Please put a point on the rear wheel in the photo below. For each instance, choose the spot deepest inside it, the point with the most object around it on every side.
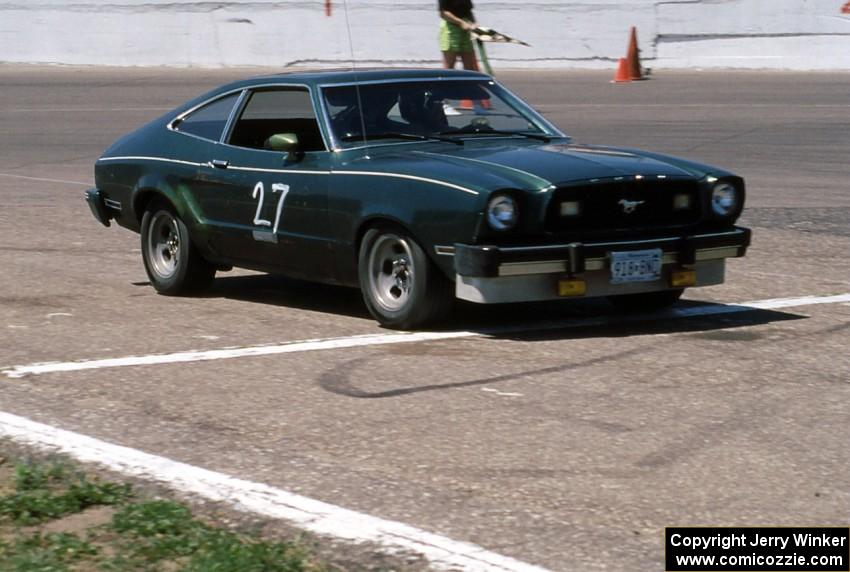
(172, 262)
(646, 302)
(402, 288)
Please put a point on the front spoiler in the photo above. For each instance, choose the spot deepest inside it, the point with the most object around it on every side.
(483, 261)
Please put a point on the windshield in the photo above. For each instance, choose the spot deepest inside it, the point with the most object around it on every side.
(415, 110)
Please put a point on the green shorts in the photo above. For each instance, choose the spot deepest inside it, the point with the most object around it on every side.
(454, 39)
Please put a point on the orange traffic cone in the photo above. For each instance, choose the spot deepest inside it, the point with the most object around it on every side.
(633, 58)
(846, 8)
(629, 68)
(622, 74)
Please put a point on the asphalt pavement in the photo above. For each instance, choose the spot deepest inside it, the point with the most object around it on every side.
(562, 436)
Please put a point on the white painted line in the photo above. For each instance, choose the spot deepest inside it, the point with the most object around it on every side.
(306, 513)
(387, 339)
(501, 393)
(193, 356)
(43, 180)
(779, 303)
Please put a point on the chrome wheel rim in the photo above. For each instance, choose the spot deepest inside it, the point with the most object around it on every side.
(163, 244)
(391, 272)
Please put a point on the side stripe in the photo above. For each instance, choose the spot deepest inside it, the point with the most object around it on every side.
(159, 159)
(303, 172)
(409, 177)
(285, 171)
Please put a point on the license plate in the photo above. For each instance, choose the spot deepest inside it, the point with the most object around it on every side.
(636, 266)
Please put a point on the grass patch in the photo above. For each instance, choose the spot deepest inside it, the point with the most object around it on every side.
(43, 492)
(44, 553)
(38, 498)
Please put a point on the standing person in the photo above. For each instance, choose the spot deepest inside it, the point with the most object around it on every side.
(457, 22)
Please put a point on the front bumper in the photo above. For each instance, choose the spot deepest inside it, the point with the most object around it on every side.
(491, 274)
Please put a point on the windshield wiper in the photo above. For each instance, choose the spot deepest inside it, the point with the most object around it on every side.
(538, 136)
(398, 135)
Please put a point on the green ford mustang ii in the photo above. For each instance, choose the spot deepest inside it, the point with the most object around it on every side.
(418, 187)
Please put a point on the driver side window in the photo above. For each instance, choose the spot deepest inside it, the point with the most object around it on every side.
(277, 111)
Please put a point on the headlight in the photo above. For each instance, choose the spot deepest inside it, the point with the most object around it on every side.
(502, 212)
(724, 199)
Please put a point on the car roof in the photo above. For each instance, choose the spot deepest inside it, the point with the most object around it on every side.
(314, 78)
(341, 76)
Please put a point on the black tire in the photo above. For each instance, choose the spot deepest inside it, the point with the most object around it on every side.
(173, 264)
(402, 287)
(646, 302)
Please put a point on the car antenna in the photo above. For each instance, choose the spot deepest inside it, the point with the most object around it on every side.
(356, 80)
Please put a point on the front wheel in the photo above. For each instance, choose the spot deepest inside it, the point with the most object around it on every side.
(172, 262)
(402, 288)
(646, 302)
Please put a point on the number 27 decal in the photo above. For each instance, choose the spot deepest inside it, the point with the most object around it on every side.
(260, 190)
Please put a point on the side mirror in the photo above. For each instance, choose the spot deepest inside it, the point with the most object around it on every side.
(285, 143)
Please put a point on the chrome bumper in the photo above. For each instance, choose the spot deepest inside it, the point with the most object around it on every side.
(490, 274)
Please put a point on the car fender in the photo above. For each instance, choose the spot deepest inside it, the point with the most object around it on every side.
(153, 185)
(433, 214)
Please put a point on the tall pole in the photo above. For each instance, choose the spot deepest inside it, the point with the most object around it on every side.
(485, 61)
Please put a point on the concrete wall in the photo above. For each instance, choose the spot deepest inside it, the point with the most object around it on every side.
(778, 34)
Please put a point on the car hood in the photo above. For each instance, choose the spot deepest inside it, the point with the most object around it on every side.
(559, 164)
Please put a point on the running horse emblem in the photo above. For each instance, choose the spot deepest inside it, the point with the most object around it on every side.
(630, 206)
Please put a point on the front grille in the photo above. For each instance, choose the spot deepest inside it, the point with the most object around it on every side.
(602, 210)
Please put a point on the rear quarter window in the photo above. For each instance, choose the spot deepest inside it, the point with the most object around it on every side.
(210, 120)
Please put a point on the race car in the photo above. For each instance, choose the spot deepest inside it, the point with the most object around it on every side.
(417, 186)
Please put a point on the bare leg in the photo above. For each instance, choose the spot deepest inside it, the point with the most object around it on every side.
(449, 60)
(469, 61)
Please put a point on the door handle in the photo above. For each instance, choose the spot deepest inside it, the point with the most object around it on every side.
(219, 164)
